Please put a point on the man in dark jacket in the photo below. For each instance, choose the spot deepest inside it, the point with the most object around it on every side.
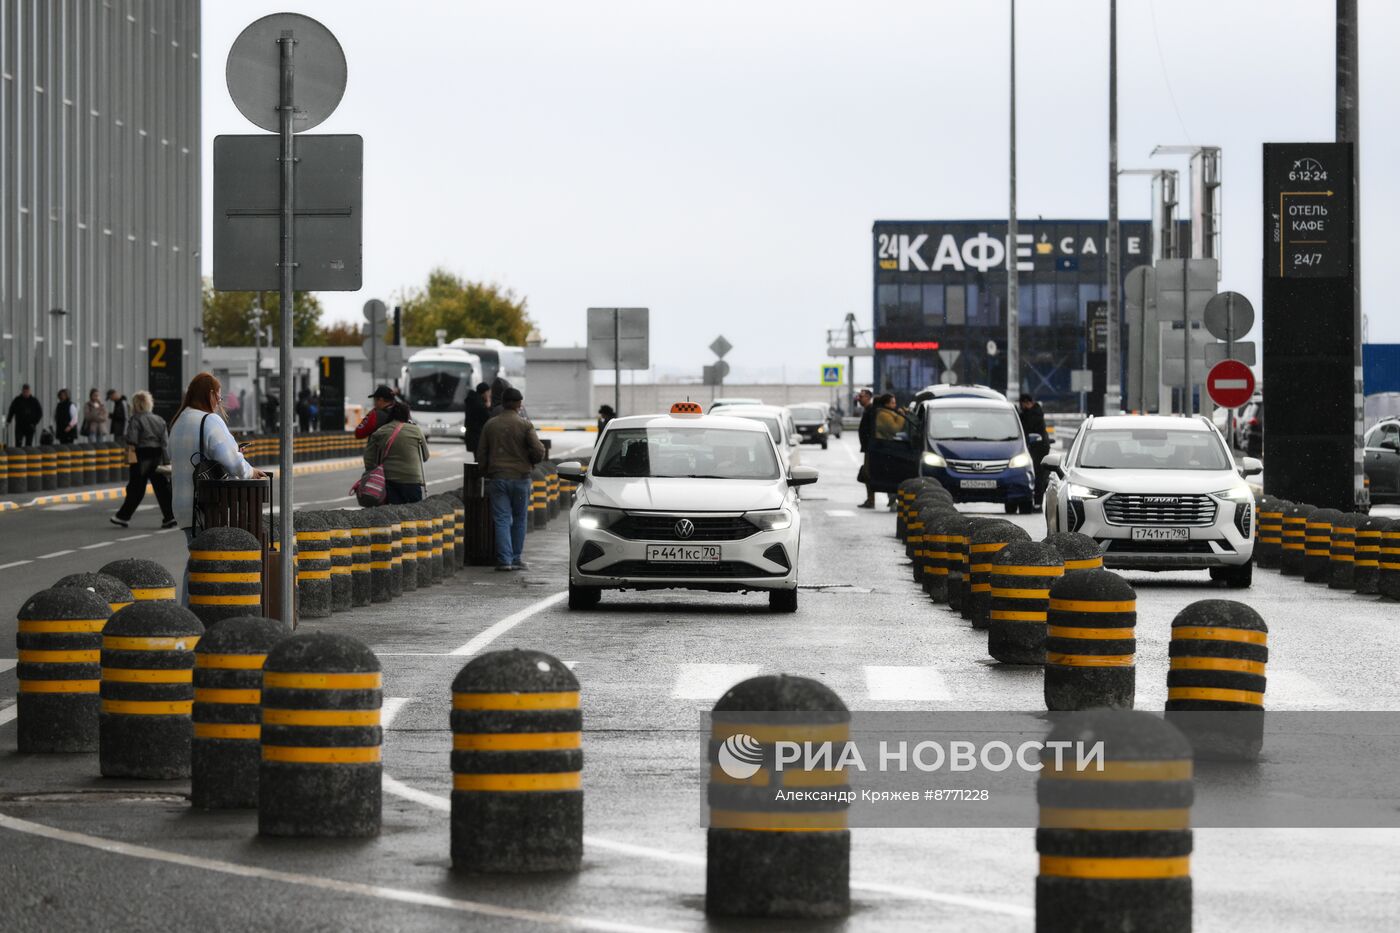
(118, 422)
(1037, 438)
(26, 413)
(65, 418)
(508, 451)
(866, 433)
(478, 413)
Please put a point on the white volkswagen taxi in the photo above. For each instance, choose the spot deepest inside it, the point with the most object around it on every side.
(685, 500)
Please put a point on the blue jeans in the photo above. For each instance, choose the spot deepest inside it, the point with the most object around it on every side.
(510, 503)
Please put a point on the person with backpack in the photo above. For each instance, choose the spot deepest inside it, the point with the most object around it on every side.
(401, 449)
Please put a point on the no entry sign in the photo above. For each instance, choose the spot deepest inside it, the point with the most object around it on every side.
(1230, 383)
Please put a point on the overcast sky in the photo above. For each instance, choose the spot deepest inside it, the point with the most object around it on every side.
(722, 162)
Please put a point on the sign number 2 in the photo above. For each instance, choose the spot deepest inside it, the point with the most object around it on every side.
(158, 354)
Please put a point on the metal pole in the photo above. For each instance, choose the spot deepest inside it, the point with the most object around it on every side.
(1113, 395)
(1230, 355)
(850, 360)
(617, 362)
(1349, 131)
(1188, 400)
(286, 534)
(257, 363)
(1013, 302)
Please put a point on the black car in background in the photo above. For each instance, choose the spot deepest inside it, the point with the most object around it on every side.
(1249, 428)
(1383, 460)
(815, 422)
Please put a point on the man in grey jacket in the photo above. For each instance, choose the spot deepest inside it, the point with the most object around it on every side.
(508, 451)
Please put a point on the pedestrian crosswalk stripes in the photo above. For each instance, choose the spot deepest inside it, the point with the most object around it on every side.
(709, 681)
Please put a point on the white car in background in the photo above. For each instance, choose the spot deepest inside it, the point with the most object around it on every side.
(776, 419)
(1157, 493)
(687, 501)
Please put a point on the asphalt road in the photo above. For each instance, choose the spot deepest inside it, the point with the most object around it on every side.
(80, 851)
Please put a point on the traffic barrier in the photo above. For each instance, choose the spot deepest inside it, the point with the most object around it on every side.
(88, 454)
(1090, 642)
(539, 498)
(313, 565)
(144, 729)
(1293, 552)
(1219, 651)
(1115, 844)
(115, 592)
(422, 544)
(987, 541)
(16, 469)
(396, 568)
(1341, 552)
(943, 531)
(913, 534)
(552, 488)
(320, 771)
(517, 761)
(1021, 577)
(146, 579)
(114, 461)
(49, 467)
(1317, 543)
(408, 521)
(904, 501)
(30, 461)
(956, 549)
(446, 507)
(381, 555)
(1079, 552)
(1366, 576)
(226, 750)
(459, 528)
(429, 512)
(342, 553)
(1388, 573)
(63, 466)
(920, 538)
(360, 557)
(767, 861)
(59, 640)
(225, 575)
(1268, 545)
(974, 522)
(5, 471)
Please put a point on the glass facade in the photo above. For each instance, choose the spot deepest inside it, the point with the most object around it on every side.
(940, 290)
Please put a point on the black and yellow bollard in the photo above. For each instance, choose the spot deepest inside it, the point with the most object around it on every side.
(1215, 687)
(539, 499)
(959, 531)
(913, 531)
(423, 545)
(1317, 544)
(381, 555)
(225, 574)
(764, 859)
(321, 770)
(59, 640)
(1090, 642)
(1114, 839)
(396, 572)
(408, 521)
(517, 762)
(1388, 573)
(1295, 532)
(442, 508)
(360, 557)
(226, 750)
(1366, 576)
(429, 508)
(146, 579)
(1268, 545)
(926, 546)
(1341, 552)
(1079, 552)
(987, 541)
(148, 691)
(459, 528)
(342, 552)
(117, 593)
(48, 469)
(552, 488)
(313, 539)
(942, 532)
(904, 501)
(1021, 577)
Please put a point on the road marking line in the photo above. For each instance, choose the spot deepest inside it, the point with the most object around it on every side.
(9, 713)
(15, 563)
(506, 624)
(390, 709)
(382, 892)
(910, 682)
(93, 547)
(7, 663)
(710, 681)
(134, 537)
(841, 513)
(54, 554)
(1295, 691)
(850, 452)
(65, 507)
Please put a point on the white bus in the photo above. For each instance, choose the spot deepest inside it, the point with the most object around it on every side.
(436, 380)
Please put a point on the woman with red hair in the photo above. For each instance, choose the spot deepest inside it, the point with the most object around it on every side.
(198, 433)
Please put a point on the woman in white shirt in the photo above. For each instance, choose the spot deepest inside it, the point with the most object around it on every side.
(201, 407)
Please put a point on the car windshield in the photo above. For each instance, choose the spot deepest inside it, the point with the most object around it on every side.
(439, 385)
(808, 414)
(1152, 449)
(973, 424)
(686, 452)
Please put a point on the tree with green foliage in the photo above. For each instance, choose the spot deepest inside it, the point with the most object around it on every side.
(228, 317)
(340, 334)
(463, 309)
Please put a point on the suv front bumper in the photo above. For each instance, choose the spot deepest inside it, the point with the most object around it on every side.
(1220, 544)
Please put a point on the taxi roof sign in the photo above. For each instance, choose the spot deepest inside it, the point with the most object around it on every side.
(687, 408)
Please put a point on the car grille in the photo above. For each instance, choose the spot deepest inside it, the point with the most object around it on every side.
(1136, 509)
(1120, 546)
(977, 466)
(718, 568)
(663, 527)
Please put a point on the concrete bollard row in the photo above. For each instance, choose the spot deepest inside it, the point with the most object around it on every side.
(313, 565)
(987, 541)
(1090, 642)
(1022, 575)
(1219, 651)
(342, 555)
(225, 574)
(116, 593)
(59, 641)
(146, 579)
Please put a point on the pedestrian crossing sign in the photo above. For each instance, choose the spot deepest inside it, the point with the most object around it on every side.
(831, 375)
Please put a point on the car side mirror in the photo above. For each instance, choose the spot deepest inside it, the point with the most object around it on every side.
(1249, 466)
(793, 440)
(1052, 461)
(802, 476)
(1034, 438)
(571, 471)
(1390, 442)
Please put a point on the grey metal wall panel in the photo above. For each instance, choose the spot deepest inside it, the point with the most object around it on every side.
(99, 189)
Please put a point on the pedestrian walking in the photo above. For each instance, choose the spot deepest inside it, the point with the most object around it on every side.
(605, 414)
(866, 433)
(509, 450)
(890, 420)
(199, 433)
(303, 410)
(65, 418)
(119, 413)
(382, 399)
(95, 417)
(478, 413)
(147, 448)
(400, 446)
(1037, 439)
(26, 413)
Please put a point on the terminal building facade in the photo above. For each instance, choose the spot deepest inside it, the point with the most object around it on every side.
(939, 300)
(99, 191)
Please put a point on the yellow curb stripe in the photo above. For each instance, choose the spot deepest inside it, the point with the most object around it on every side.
(1093, 605)
(515, 741)
(1004, 615)
(252, 577)
(1019, 594)
(154, 593)
(1092, 563)
(821, 821)
(226, 555)
(1091, 634)
(1176, 769)
(245, 599)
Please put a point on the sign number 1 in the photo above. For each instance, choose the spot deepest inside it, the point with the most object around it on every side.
(326, 366)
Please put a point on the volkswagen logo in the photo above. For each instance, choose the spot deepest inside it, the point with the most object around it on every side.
(685, 528)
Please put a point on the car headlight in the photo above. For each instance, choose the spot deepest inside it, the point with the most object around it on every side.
(776, 520)
(1076, 491)
(1022, 459)
(592, 517)
(932, 459)
(821, 429)
(1239, 493)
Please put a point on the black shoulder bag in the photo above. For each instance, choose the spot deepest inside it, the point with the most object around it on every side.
(205, 469)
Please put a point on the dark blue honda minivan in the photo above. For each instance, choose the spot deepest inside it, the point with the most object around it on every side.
(973, 444)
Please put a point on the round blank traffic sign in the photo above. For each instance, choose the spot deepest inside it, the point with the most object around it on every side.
(1230, 383)
(254, 71)
(375, 312)
(1227, 315)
